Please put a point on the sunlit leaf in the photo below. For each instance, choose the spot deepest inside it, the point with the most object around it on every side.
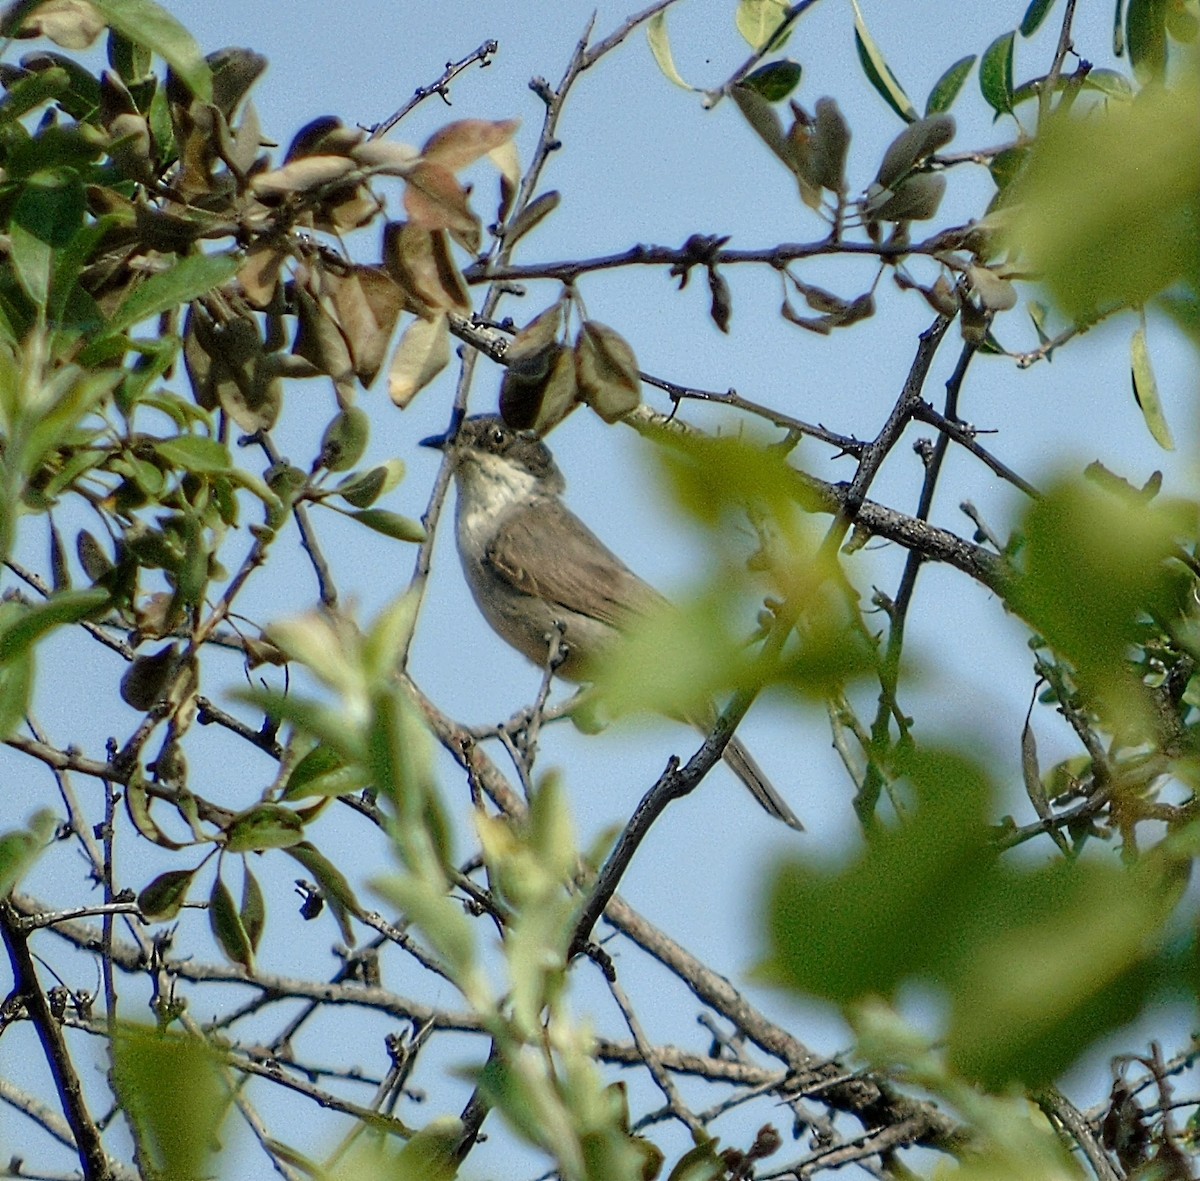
(265, 826)
(1145, 391)
(878, 72)
(151, 25)
(423, 352)
(757, 21)
(660, 46)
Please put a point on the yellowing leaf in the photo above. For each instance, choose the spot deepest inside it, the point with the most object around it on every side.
(877, 70)
(757, 21)
(1145, 391)
(423, 352)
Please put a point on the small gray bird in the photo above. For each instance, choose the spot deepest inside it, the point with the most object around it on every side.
(532, 565)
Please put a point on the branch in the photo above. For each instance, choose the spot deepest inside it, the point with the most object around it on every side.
(85, 1133)
(483, 55)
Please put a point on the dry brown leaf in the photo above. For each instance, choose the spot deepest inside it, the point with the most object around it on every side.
(300, 176)
(259, 274)
(436, 201)
(609, 380)
(419, 261)
(462, 143)
(72, 24)
(368, 304)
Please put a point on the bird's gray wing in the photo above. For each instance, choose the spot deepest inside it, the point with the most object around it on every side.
(580, 574)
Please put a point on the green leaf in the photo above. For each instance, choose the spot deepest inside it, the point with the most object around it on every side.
(1146, 33)
(1066, 954)
(21, 848)
(324, 772)
(945, 89)
(660, 46)
(1145, 391)
(757, 21)
(227, 927)
(195, 453)
(51, 206)
(877, 70)
(1107, 209)
(1093, 565)
(253, 912)
(332, 881)
(774, 81)
(265, 826)
(32, 259)
(996, 74)
(164, 897)
(898, 910)
(169, 1086)
(187, 279)
(151, 25)
(1034, 15)
(18, 634)
(390, 524)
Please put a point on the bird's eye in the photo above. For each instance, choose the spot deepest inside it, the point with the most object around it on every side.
(498, 435)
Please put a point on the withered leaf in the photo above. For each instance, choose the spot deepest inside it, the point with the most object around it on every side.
(423, 352)
(436, 201)
(607, 370)
(419, 261)
(368, 304)
(300, 176)
(459, 144)
(259, 274)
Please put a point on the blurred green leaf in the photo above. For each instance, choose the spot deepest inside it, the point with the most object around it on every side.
(1146, 37)
(878, 72)
(902, 908)
(20, 848)
(945, 89)
(1067, 957)
(757, 20)
(170, 1088)
(1145, 391)
(996, 74)
(1093, 564)
(1106, 208)
(19, 632)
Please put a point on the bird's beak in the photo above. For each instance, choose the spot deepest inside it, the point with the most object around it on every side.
(443, 441)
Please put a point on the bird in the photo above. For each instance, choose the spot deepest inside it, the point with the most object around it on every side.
(534, 568)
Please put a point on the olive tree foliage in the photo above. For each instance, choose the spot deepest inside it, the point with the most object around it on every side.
(167, 279)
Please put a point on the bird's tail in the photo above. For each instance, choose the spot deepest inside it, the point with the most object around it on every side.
(742, 764)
